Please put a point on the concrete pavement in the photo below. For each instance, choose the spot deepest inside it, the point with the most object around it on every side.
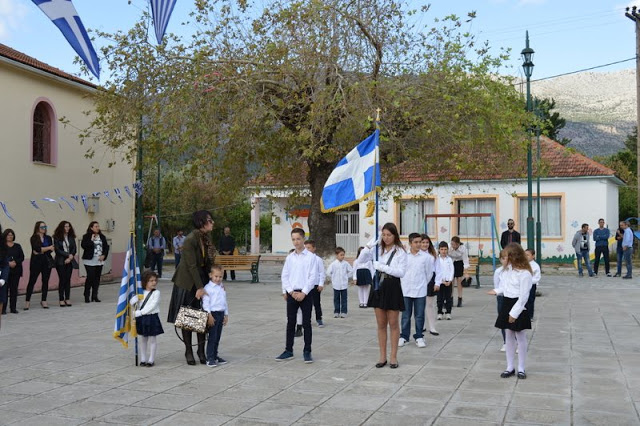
(61, 365)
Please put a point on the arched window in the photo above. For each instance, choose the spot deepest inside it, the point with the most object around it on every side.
(43, 133)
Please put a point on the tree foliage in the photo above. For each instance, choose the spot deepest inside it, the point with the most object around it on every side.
(551, 123)
(288, 90)
(625, 164)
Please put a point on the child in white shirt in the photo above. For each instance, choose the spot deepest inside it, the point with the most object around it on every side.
(363, 272)
(340, 271)
(214, 301)
(148, 323)
(430, 310)
(531, 303)
(444, 280)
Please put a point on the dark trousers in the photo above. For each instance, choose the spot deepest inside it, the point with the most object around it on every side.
(214, 336)
(156, 262)
(292, 311)
(531, 301)
(92, 282)
(64, 281)
(38, 265)
(619, 254)
(604, 251)
(233, 273)
(315, 296)
(445, 299)
(12, 288)
(340, 301)
(177, 257)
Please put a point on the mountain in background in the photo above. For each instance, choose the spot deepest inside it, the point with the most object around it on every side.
(600, 108)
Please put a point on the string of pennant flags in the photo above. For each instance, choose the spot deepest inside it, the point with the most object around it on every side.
(72, 200)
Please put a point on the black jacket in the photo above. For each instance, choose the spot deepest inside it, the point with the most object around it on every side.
(16, 254)
(62, 255)
(504, 240)
(87, 246)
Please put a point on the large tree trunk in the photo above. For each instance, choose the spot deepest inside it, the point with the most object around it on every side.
(322, 226)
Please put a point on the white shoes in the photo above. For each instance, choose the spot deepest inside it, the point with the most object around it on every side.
(503, 348)
(439, 317)
(448, 316)
(420, 343)
(401, 342)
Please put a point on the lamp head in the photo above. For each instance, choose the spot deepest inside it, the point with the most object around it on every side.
(527, 58)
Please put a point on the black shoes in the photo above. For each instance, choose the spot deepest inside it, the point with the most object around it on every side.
(95, 299)
(506, 374)
(381, 364)
(459, 302)
(299, 331)
(522, 375)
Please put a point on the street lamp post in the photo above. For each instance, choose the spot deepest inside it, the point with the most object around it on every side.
(527, 66)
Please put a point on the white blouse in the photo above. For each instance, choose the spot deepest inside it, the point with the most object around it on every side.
(339, 273)
(460, 254)
(153, 304)
(414, 283)
(515, 284)
(398, 264)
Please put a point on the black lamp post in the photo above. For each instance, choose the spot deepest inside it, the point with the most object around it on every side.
(527, 66)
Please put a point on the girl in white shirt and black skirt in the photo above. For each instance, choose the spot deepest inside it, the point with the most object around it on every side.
(515, 282)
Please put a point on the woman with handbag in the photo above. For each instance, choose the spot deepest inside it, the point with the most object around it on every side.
(386, 296)
(15, 257)
(190, 277)
(96, 250)
(64, 242)
(40, 263)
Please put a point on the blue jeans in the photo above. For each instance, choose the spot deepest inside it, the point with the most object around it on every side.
(583, 254)
(619, 254)
(627, 260)
(340, 301)
(411, 305)
(214, 336)
(177, 257)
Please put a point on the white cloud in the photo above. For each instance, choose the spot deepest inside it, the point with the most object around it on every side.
(12, 14)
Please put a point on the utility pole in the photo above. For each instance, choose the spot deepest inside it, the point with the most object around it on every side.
(634, 15)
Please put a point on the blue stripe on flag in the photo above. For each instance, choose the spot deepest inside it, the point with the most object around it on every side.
(130, 293)
(161, 11)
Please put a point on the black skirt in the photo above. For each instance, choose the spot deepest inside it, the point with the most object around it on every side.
(149, 325)
(431, 287)
(458, 268)
(523, 322)
(363, 277)
(389, 296)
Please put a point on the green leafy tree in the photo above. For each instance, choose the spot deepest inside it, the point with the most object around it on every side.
(550, 122)
(625, 163)
(288, 90)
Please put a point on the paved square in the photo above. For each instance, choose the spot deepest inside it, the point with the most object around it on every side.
(61, 366)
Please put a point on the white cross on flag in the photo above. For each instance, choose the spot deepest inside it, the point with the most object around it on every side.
(63, 14)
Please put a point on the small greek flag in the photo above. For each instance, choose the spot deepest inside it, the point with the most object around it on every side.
(128, 191)
(6, 211)
(355, 177)
(161, 11)
(137, 186)
(117, 192)
(68, 203)
(85, 203)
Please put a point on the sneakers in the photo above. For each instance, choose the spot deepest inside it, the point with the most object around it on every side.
(439, 317)
(212, 364)
(608, 274)
(320, 323)
(448, 316)
(221, 361)
(336, 315)
(503, 348)
(285, 356)
(420, 343)
(307, 357)
(343, 315)
(401, 342)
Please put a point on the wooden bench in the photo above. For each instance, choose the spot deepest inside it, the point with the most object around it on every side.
(240, 262)
(474, 265)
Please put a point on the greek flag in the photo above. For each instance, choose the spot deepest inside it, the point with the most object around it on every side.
(161, 10)
(130, 293)
(63, 14)
(355, 177)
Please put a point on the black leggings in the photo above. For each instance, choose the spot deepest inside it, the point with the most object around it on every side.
(64, 281)
(92, 282)
(38, 265)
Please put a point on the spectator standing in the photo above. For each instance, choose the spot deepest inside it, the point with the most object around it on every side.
(627, 248)
(64, 242)
(157, 244)
(41, 262)
(226, 246)
(601, 237)
(510, 235)
(15, 257)
(619, 251)
(96, 250)
(582, 247)
(178, 242)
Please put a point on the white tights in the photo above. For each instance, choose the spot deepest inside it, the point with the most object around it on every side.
(363, 294)
(150, 343)
(431, 313)
(514, 338)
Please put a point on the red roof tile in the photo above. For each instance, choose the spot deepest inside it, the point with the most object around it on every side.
(14, 55)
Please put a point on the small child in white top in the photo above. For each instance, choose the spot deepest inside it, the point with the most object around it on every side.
(214, 301)
(531, 303)
(340, 271)
(444, 279)
(363, 273)
(148, 323)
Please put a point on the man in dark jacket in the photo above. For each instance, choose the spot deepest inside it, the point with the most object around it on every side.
(226, 246)
(510, 235)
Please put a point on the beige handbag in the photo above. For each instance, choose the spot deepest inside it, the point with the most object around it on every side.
(191, 319)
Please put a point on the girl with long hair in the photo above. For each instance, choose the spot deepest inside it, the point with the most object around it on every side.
(96, 250)
(40, 263)
(64, 242)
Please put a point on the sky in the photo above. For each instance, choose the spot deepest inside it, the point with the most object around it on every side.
(566, 35)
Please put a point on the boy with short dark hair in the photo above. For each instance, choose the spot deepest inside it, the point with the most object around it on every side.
(340, 271)
(214, 301)
(444, 279)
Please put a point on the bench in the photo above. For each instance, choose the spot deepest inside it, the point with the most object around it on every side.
(474, 265)
(239, 262)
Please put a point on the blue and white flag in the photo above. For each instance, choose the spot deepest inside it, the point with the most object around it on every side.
(137, 186)
(68, 203)
(6, 211)
(128, 191)
(85, 203)
(75, 197)
(64, 15)
(52, 200)
(34, 204)
(130, 293)
(161, 10)
(108, 195)
(117, 192)
(355, 177)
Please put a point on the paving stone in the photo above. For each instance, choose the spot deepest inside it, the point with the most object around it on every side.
(271, 411)
(137, 416)
(545, 417)
(479, 412)
(591, 418)
(194, 419)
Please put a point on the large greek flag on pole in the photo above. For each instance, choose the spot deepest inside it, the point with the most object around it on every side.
(161, 10)
(355, 177)
(130, 293)
(63, 14)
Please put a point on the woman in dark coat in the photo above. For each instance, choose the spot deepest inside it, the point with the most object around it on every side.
(191, 275)
(95, 252)
(40, 263)
(64, 241)
(15, 257)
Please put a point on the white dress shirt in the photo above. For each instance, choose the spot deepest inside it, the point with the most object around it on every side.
(319, 270)
(536, 272)
(152, 306)
(515, 283)
(414, 283)
(496, 280)
(398, 264)
(339, 272)
(444, 270)
(299, 272)
(215, 298)
(460, 254)
(432, 261)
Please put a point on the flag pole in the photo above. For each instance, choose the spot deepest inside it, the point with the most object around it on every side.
(374, 183)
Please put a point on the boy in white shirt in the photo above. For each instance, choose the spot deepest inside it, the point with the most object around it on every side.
(531, 302)
(444, 279)
(414, 289)
(214, 301)
(339, 271)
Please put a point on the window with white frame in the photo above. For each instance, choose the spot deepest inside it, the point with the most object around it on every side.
(412, 213)
(475, 226)
(550, 215)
